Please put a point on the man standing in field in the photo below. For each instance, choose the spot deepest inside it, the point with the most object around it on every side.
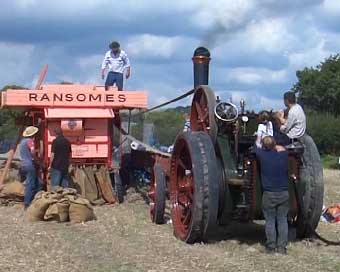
(275, 199)
(117, 62)
(28, 169)
(60, 159)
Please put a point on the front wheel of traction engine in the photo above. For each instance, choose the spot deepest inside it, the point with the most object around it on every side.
(194, 187)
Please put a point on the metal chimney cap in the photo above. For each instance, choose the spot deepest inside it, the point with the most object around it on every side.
(201, 51)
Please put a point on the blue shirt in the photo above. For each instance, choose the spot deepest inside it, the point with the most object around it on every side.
(274, 169)
(26, 147)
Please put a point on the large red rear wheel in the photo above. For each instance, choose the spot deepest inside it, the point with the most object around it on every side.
(202, 117)
(194, 187)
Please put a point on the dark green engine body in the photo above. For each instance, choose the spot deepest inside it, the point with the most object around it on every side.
(241, 191)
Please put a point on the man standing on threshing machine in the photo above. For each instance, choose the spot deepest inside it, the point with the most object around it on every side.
(295, 124)
(28, 167)
(275, 199)
(117, 62)
(60, 159)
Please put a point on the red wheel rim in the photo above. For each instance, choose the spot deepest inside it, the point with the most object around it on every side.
(182, 190)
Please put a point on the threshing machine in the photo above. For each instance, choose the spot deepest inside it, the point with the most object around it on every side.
(87, 115)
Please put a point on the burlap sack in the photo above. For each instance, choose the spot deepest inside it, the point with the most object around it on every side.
(51, 213)
(38, 207)
(54, 195)
(80, 210)
(63, 210)
(13, 189)
(69, 191)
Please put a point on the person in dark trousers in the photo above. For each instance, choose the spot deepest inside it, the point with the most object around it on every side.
(117, 62)
(275, 199)
(60, 159)
(28, 170)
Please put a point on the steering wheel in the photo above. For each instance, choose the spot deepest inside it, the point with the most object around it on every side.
(226, 111)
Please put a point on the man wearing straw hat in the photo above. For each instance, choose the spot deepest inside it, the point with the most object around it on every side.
(28, 168)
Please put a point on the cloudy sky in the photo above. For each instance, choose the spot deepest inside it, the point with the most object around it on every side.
(256, 45)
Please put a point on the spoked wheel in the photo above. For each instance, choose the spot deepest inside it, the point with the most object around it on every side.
(311, 196)
(157, 194)
(119, 188)
(194, 187)
(202, 117)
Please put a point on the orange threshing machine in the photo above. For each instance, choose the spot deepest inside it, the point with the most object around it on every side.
(87, 114)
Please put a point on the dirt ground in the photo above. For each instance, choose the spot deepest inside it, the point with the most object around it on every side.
(124, 239)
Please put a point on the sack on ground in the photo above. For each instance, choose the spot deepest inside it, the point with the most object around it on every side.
(80, 210)
(51, 213)
(36, 211)
(63, 210)
(13, 189)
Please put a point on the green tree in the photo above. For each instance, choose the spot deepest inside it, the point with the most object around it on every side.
(8, 129)
(319, 87)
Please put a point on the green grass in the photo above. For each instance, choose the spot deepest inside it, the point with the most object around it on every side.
(330, 161)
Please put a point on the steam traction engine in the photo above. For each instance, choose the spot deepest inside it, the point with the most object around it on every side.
(214, 174)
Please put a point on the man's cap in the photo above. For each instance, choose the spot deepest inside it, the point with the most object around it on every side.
(114, 45)
(30, 131)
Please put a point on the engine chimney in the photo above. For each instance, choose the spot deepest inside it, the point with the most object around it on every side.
(201, 61)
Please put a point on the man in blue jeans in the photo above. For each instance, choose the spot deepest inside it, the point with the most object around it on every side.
(28, 169)
(275, 199)
(117, 62)
(60, 159)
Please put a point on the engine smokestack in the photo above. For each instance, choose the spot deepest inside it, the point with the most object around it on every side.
(201, 61)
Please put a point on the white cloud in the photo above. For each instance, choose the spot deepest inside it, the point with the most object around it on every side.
(331, 6)
(253, 99)
(309, 56)
(16, 61)
(88, 62)
(253, 76)
(25, 3)
(269, 35)
(148, 45)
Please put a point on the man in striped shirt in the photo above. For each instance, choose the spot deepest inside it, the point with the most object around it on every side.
(117, 62)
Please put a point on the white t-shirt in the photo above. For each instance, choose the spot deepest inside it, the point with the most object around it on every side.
(295, 125)
(264, 130)
(116, 62)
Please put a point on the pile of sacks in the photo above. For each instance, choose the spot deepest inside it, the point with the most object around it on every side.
(61, 205)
